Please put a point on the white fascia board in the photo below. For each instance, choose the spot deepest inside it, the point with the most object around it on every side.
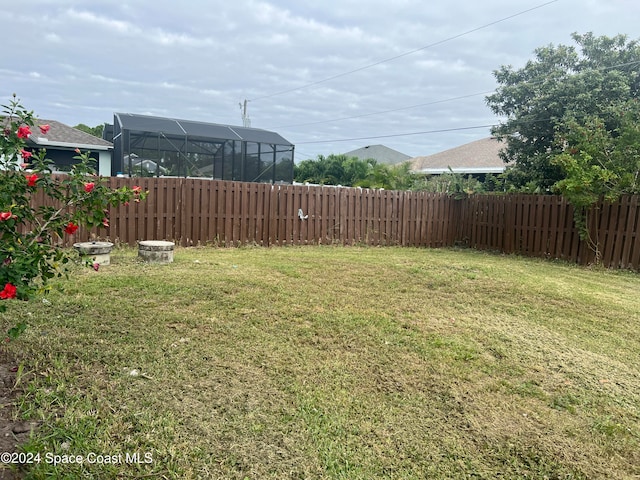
(43, 142)
(439, 171)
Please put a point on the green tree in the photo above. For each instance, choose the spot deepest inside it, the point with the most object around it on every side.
(390, 177)
(95, 131)
(599, 160)
(451, 183)
(562, 85)
(354, 172)
(332, 170)
(377, 176)
(311, 171)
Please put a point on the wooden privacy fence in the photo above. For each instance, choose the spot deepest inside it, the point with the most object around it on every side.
(543, 226)
(199, 212)
(194, 211)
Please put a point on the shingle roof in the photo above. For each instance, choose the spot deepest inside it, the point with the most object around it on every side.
(62, 135)
(480, 156)
(380, 153)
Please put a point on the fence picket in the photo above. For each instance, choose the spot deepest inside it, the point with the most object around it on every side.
(631, 231)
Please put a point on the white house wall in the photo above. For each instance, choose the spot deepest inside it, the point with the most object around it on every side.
(104, 163)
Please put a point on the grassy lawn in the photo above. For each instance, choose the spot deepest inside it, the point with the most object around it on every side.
(339, 363)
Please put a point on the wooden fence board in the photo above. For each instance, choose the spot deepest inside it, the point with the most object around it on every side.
(368, 217)
(623, 209)
(272, 238)
(630, 231)
(417, 203)
(608, 230)
(634, 240)
(342, 214)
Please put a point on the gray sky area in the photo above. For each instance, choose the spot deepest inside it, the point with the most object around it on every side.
(330, 76)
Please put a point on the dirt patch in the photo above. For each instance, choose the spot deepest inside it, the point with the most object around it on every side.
(12, 432)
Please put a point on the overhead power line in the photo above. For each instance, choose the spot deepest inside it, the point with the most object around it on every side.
(426, 132)
(531, 83)
(435, 102)
(387, 111)
(399, 134)
(440, 42)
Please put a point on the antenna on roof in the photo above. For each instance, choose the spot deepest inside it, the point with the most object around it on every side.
(246, 121)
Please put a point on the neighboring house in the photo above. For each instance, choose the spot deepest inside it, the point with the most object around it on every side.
(379, 153)
(475, 158)
(61, 142)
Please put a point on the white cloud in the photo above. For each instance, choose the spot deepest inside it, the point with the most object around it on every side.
(50, 38)
(83, 16)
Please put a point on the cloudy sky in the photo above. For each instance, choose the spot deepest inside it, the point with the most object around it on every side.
(330, 76)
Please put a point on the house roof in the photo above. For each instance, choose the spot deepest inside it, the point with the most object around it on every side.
(61, 135)
(173, 126)
(379, 153)
(480, 156)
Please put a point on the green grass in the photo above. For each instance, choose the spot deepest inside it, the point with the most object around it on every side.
(338, 363)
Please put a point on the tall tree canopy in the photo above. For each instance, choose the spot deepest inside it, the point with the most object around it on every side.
(562, 88)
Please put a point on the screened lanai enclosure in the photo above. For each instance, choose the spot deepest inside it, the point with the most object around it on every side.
(146, 146)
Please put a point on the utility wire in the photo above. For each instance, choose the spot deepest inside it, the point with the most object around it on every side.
(400, 134)
(387, 111)
(282, 92)
(435, 102)
(534, 83)
(457, 129)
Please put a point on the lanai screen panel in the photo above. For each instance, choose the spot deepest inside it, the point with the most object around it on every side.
(155, 146)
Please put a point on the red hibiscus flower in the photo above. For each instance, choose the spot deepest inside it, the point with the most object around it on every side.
(25, 154)
(24, 131)
(45, 128)
(96, 266)
(4, 216)
(9, 291)
(137, 190)
(31, 180)
(71, 228)
(105, 222)
(88, 187)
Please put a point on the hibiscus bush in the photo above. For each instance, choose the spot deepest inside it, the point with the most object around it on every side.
(31, 238)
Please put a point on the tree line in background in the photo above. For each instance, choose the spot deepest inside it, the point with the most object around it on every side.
(368, 173)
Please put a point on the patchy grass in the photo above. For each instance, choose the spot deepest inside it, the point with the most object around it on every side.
(345, 363)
